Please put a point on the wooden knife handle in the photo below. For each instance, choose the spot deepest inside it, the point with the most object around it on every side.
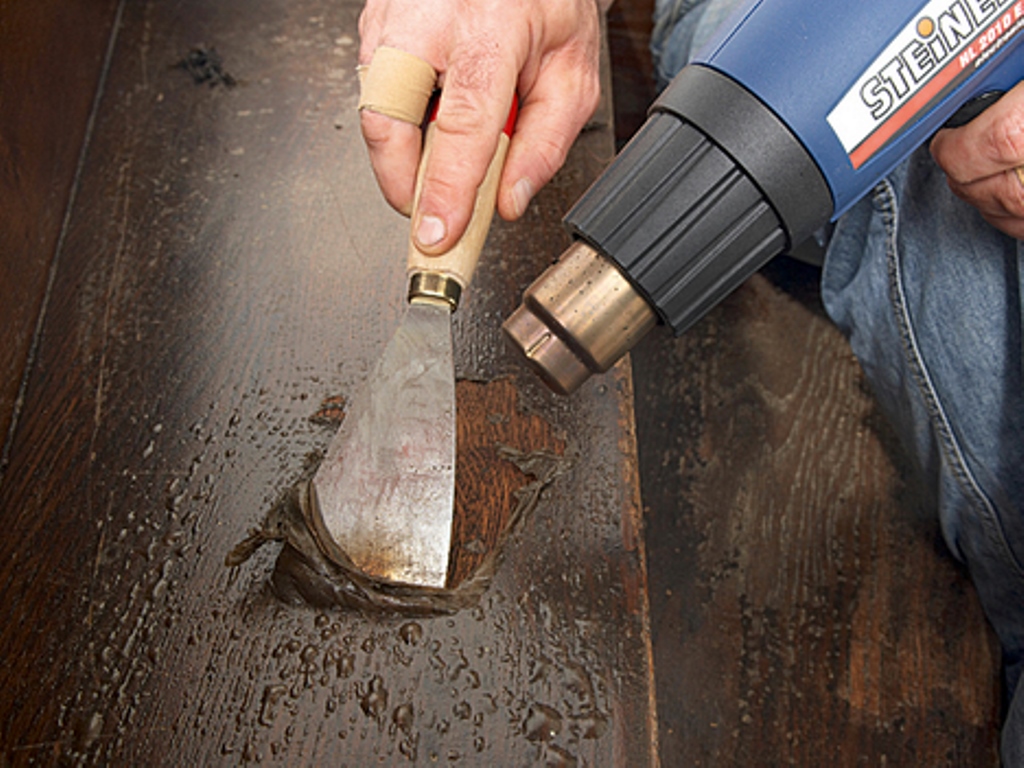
(460, 261)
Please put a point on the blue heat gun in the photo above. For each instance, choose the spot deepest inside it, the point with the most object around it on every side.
(788, 117)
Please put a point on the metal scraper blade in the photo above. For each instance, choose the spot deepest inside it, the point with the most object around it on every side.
(385, 491)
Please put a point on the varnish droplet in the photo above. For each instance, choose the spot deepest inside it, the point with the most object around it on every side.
(272, 696)
(403, 717)
(543, 723)
(88, 731)
(557, 757)
(343, 664)
(593, 726)
(411, 633)
(375, 700)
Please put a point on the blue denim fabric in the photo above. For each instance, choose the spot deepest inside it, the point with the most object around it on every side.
(681, 28)
(930, 297)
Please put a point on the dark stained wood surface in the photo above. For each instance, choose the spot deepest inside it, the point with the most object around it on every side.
(489, 420)
(51, 56)
(805, 610)
(228, 264)
(633, 85)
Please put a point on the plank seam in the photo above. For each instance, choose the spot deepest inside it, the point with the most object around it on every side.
(51, 276)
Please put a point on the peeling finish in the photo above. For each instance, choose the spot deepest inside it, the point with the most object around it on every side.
(304, 574)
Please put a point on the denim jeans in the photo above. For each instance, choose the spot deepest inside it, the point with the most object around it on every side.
(930, 297)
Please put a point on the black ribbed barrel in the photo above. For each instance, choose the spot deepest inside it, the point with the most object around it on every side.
(680, 218)
(679, 211)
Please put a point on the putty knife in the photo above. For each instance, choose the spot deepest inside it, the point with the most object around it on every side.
(384, 495)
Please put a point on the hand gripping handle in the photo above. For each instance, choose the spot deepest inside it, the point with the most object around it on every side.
(445, 276)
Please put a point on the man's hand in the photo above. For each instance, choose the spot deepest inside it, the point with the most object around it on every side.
(483, 51)
(982, 161)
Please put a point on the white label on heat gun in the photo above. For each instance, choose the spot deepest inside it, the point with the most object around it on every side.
(945, 42)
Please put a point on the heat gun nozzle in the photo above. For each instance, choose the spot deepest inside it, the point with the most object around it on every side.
(578, 318)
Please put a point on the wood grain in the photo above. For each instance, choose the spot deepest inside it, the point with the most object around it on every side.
(490, 420)
(805, 610)
(227, 265)
(45, 102)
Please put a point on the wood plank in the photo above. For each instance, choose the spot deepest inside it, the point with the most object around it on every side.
(228, 265)
(805, 610)
(45, 100)
(633, 85)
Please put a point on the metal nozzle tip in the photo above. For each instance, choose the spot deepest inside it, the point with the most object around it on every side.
(550, 357)
(578, 318)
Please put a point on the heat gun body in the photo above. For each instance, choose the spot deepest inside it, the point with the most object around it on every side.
(788, 117)
(861, 85)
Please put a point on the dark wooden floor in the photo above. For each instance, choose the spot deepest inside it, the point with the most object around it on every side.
(177, 282)
(805, 610)
(190, 268)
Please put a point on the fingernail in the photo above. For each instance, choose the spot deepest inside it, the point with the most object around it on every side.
(430, 231)
(522, 193)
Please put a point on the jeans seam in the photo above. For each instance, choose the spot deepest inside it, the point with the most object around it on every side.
(885, 198)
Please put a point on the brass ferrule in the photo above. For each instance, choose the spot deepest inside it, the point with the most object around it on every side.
(435, 287)
(578, 318)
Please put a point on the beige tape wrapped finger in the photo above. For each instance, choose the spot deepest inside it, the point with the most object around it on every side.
(396, 84)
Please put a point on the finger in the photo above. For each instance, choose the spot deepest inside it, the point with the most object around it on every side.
(369, 33)
(394, 150)
(475, 99)
(990, 144)
(559, 105)
(999, 195)
(394, 91)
